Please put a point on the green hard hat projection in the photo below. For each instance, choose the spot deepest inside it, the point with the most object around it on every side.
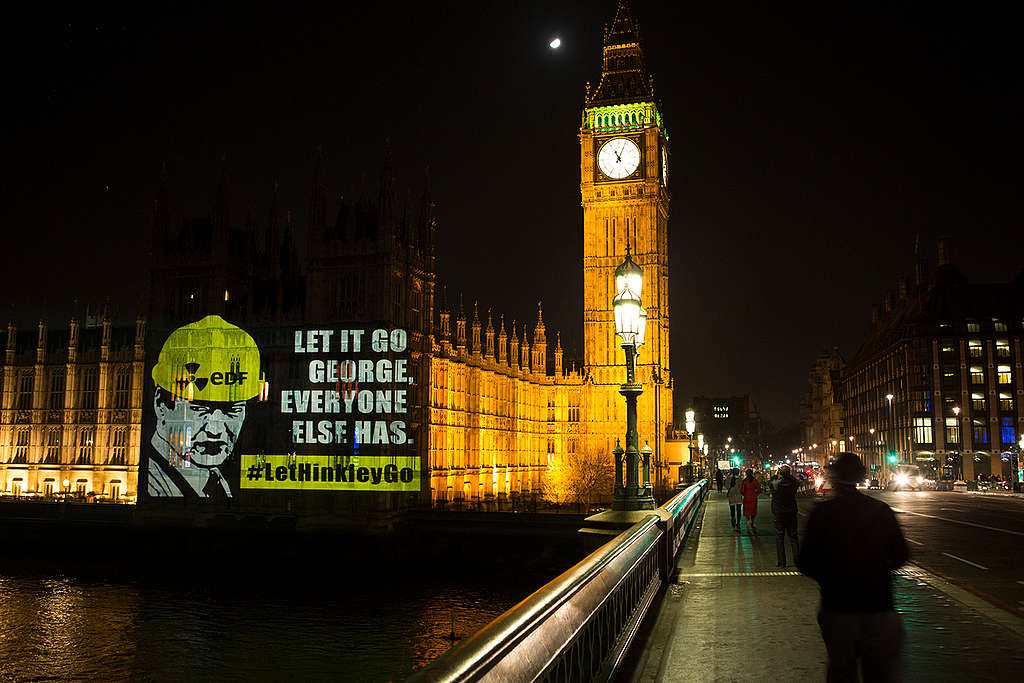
(210, 360)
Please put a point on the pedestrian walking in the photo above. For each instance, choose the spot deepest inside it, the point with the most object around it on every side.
(735, 499)
(784, 512)
(851, 547)
(750, 489)
(719, 479)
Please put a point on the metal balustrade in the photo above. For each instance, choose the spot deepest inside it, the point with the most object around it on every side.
(579, 626)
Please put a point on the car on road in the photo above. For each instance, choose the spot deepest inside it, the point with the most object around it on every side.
(906, 478)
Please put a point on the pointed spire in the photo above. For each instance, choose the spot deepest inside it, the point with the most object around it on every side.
(624, 76)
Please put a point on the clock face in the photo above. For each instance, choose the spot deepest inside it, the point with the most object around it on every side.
(618, 158)
(664, 166)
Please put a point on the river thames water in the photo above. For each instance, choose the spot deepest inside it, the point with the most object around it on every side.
(296, 625)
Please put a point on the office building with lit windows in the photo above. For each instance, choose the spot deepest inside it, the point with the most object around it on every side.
(937, 380)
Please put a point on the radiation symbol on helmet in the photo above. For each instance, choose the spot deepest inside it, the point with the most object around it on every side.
(225, 354)
(190, 378)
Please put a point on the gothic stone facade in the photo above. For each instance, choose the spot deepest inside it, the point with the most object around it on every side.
(72, 412)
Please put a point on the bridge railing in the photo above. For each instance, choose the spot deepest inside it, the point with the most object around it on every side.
(578, 626)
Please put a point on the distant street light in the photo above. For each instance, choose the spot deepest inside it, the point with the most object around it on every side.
(630, 326)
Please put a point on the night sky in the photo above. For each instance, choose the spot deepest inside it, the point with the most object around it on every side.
(811, 146)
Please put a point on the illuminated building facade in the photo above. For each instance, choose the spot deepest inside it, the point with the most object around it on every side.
(71, 413)
(501, 414)
(492, 409)
(624, 172)
(821, 410)
(498, 417)
(949, 353)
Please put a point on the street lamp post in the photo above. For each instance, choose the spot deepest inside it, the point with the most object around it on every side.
(1015, 466)
(630, 325)
(874, 447)
(892, 433)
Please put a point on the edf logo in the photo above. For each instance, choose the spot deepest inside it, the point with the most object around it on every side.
(228, 378)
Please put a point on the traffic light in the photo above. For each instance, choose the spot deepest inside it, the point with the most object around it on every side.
(892, 458)
(736, 460)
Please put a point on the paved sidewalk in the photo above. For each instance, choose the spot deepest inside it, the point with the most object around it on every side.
(730, 614)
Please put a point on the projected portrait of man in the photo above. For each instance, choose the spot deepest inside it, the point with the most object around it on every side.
(206, 373)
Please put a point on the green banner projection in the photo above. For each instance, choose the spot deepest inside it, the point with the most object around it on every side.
(331, 473)
(227, 402)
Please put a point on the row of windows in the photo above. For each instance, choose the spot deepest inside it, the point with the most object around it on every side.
(924, 433)
(88, 389)
(84, 452)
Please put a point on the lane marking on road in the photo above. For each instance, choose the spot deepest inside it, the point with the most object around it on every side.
(913, 541)
(959, 521)
(973, 564)
(717, 574)
(1021, 583)
(953, 509)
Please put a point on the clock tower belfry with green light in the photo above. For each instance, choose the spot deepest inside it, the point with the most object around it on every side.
(624, 163)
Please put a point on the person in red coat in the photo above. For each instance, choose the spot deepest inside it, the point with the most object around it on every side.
(750, 489)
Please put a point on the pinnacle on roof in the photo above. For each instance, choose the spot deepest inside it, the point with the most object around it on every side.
(623, 28)
(624, 76)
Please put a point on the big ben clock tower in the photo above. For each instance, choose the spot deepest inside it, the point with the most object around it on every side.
(624, 164)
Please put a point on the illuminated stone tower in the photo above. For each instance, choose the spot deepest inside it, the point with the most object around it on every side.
(624, 160)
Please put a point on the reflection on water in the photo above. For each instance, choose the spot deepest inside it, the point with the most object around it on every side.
(320, 627)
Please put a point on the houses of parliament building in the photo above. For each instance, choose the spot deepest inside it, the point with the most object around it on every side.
(492, 408)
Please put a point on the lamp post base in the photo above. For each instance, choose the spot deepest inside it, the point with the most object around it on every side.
(627, 504)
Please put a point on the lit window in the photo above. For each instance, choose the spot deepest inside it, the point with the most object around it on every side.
(21, 446)
(122, 388)
(974, 348)
(90, 383)
(1003, 374)
(952, 430)
(978, 403)
(1005, 402)
(1009, 434)
(923, 430)
(999, 325)
(57, 384)
(25, 390)
(977, 375)
(53, 443)
(947, 349)
(980, 432)
(86, 440)
(119, 447)
(1002, 348)
(973, 327)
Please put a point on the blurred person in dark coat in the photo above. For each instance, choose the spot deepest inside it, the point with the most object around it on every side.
(851, 546)
(784, 511)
